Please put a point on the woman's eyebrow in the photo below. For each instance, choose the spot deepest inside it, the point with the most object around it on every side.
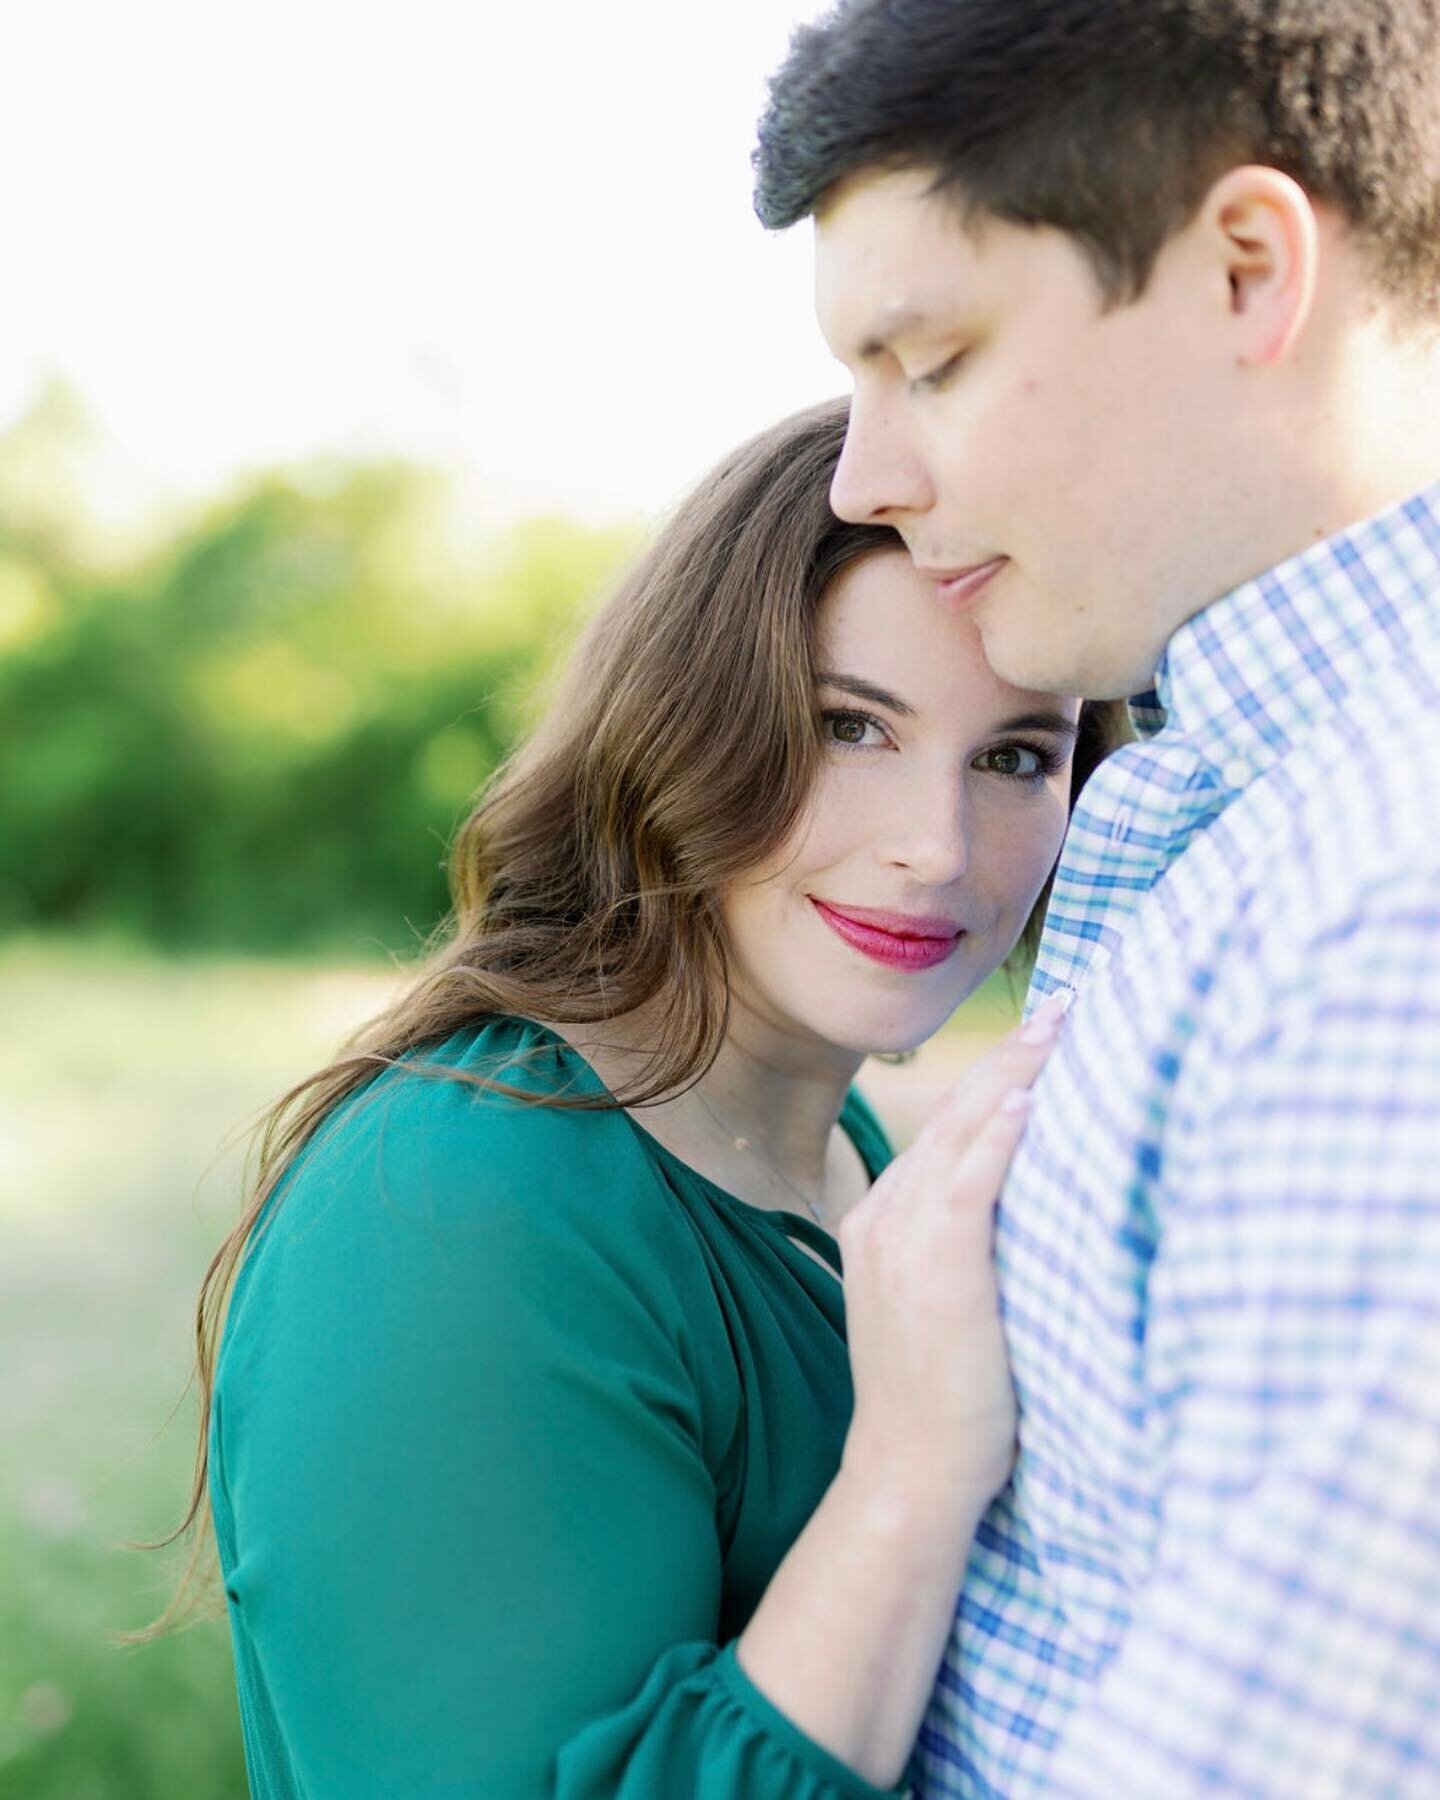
(878, 696)
(1041, 721)
(868, 690)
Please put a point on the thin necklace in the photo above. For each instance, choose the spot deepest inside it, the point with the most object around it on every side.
(743, 1143)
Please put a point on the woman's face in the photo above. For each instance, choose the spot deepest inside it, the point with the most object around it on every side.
(937, 815)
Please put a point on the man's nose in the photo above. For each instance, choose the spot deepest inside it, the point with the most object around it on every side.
(878, 479)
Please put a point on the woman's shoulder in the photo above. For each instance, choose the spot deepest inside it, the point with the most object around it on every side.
(463, 1235)
(457, 1137)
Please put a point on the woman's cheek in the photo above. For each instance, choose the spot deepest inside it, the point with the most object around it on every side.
(1021, 854)
(833, 815)
(1048, 840)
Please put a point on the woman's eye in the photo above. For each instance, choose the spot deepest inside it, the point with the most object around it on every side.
(854, 730)
(1015, 760)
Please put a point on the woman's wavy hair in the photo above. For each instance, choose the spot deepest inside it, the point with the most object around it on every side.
(677, 755)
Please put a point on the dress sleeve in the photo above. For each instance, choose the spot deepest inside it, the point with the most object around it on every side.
(463, 1499)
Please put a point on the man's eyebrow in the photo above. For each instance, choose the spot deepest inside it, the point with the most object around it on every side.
(868, 690)
(1041, 721)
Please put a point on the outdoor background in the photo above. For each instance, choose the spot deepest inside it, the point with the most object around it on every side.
(346, 353)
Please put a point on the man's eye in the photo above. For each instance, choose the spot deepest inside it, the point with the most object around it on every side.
(935, 379)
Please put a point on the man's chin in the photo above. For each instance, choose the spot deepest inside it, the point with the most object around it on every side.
(1043, 665)
(1026, 663)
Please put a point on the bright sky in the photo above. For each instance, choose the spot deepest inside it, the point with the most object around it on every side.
(514, 237)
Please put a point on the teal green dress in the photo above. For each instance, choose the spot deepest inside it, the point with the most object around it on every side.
(515, 1417)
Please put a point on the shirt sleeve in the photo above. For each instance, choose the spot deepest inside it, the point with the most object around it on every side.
(1287, 1640)
(464, 1504)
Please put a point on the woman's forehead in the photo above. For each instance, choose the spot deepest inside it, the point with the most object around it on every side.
(882, 623)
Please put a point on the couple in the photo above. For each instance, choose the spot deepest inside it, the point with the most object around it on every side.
(547, 1453)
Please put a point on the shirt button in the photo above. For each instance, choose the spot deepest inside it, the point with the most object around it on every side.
(1236, 773)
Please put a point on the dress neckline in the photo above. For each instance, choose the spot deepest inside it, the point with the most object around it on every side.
(786, 1225)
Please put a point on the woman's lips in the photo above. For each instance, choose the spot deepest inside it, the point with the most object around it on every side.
(895, 939)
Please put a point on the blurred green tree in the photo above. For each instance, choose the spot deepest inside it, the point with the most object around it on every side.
(260, 732)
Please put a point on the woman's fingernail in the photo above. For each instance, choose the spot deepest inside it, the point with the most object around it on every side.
(1016, 1101)
(1040, 1029)
(1047, 1017)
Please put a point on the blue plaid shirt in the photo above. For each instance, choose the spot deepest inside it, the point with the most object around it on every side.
(1217, 1568)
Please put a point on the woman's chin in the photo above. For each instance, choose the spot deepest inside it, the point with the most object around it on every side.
(891, 1037)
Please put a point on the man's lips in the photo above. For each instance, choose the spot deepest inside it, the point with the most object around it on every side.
(959, 587)
(899, 940)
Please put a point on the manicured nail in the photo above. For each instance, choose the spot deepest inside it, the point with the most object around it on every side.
(1016, 1101)
(1047, 1017)
(1044, 1026)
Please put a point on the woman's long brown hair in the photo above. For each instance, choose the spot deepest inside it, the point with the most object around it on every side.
(678, 755)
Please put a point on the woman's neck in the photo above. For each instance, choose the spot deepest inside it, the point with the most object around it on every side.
(768, 1104)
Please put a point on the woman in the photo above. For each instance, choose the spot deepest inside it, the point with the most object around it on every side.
(533, 1456)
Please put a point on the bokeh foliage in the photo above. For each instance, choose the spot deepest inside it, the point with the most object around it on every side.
(253, 730)
(258, 731)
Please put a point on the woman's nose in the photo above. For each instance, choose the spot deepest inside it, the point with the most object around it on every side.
(929, 834)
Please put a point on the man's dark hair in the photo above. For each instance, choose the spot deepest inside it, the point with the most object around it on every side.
(1111, 119)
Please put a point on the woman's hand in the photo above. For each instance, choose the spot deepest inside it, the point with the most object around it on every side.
(848, 1635)
(934, 1411)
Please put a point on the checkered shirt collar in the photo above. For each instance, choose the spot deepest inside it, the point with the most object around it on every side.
(1248, 675)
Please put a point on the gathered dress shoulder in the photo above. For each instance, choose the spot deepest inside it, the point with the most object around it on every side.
(515, 1416)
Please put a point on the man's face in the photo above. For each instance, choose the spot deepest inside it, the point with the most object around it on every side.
(1006, 423)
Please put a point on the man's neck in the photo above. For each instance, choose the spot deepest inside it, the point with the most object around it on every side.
(1373, 441)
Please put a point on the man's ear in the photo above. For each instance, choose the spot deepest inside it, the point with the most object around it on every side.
(1261, 225)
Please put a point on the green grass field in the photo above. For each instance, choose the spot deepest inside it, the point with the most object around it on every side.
(119, 1079)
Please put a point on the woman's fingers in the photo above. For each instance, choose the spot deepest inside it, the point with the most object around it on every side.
(982, 1162)
(1014, 1063)
(932, 1387)
(992, 1099)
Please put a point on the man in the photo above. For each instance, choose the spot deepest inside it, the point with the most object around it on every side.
(1139, 298)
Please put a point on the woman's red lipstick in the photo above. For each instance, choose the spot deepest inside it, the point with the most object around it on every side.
(899, 940)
